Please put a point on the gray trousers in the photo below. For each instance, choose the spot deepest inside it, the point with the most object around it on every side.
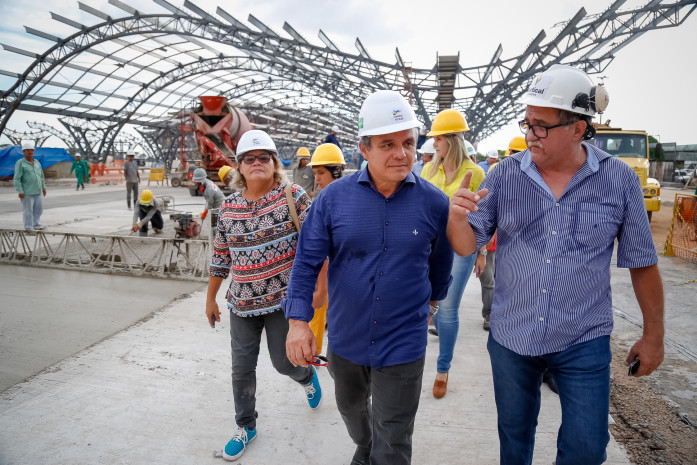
(32, 208)
(487, 281)
(381, 430)
(131, 187)
(245, 333)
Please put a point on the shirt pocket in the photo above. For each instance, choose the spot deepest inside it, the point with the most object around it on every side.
(596, 225)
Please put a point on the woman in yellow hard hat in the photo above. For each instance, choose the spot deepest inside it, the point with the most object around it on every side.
(446, 172)
(327, 165)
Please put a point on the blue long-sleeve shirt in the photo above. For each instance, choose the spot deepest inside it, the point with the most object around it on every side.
(332, 139)
(387, 258)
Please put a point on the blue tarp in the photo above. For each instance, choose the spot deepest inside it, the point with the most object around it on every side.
(45, 156)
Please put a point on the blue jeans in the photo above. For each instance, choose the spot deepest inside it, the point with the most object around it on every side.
(32, 209)
(447, 320)
(582, 374)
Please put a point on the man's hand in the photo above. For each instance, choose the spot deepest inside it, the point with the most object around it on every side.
(44, 191)
(301, 345)
(479, 265)
(464, 201)
(21, 196)
(649, 350)
(212, 312)
(134, 228)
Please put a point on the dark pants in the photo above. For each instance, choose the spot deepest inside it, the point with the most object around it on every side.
(582, 374)
(381, 430)
(245, 334)
(156, 221)
(486, 279)
(131, 187)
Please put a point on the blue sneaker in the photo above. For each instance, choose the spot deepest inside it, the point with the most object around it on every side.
(313, 391)
(238, 444)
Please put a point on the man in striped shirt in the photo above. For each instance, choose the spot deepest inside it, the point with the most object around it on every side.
(558, 208)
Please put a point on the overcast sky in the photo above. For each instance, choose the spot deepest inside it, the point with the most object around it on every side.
(651, 81)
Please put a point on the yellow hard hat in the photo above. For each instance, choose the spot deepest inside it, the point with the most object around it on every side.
(303, 152)
(448, 122)
(222, 172)
(518, 144)
(327, 154)
(146, 197)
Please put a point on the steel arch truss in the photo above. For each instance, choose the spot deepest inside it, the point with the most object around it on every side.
(144, 68)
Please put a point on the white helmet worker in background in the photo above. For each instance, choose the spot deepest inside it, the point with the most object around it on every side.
(492, 157)
(547, 314)
(427, 151)
(332, 137)
(471, 151)
(385, 228)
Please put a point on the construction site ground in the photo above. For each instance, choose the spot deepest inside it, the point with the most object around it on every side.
(115, 369)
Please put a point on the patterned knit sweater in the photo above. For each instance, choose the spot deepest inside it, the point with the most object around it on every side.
(255, 244)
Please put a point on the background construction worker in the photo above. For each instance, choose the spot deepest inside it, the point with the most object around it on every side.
(82, 171)
(492, 157)
(557, 209)
(30, 183)
(327, 164)
(226, 174)
(147, 210)
(302, 174)
(383, 227)
(427, 151)
(132, 177)
(516, 145)
(211, 192)
(332, 137)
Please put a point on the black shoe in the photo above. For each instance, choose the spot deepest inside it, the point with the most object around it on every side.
(433, 331)
(548, 379)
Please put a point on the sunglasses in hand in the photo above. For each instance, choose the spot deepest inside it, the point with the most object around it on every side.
(319, 361)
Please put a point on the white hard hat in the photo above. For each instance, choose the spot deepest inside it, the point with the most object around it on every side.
(255, 139)
(471, 152)
(493, 153)
(385, 112)
(428, 147)
(335, 128)
(27, 145)
(130, 153)
(566, 88)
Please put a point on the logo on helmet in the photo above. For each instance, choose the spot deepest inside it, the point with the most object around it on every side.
(540, 85)
(256, 141)
(397, 115)
(360, 123)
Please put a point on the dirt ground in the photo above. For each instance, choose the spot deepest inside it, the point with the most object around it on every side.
(647, 422)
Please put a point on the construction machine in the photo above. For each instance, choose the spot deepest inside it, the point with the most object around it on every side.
(632, 147)
(217, 128)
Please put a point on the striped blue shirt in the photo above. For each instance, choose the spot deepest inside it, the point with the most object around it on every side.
(553, 256)
(387, 258)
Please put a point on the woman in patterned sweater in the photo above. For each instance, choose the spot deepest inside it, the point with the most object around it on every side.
(255, 245)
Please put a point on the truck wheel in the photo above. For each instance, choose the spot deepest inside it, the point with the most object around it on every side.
(175, 182)
(193, 192)
(649, 215)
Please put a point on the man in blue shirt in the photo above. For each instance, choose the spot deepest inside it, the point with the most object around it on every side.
(492, 157)
(332, 139)
(383, 230)
(557, 209)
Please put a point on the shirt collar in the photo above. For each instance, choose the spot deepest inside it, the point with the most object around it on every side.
(593, 157)
(364, 178)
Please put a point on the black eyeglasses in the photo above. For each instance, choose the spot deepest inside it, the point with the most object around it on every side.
(320, 361)
(539, 130)
(250, 159)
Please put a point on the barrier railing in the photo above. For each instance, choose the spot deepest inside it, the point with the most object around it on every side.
(187, 259)
(682, 237)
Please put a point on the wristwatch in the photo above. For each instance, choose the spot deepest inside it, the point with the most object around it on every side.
(433, 308)
(483, 252)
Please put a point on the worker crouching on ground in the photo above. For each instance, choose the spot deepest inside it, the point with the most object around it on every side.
(147, 210)
(255, 245)
(328, 165)
(211, 192)
(383, 228)
(446, 172)
(557, 209)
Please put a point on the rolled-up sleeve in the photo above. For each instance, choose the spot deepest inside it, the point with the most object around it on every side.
(312, 251)
(441, 259)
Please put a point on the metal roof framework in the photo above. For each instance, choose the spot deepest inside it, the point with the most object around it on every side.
(144, 68)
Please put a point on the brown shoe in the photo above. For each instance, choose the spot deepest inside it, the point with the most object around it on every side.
(440, 387)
